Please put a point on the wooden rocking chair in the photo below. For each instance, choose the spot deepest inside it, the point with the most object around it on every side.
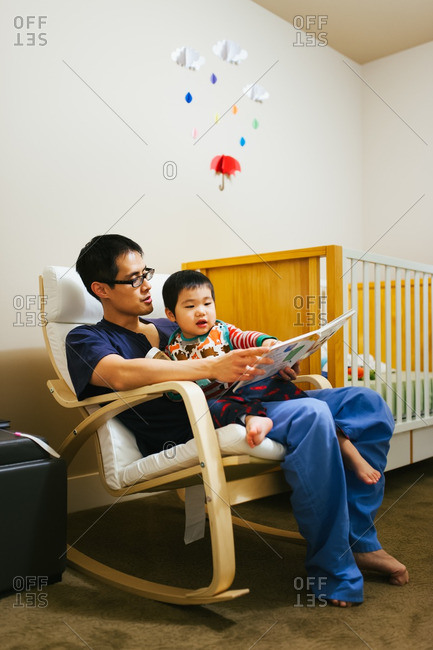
(221, 461)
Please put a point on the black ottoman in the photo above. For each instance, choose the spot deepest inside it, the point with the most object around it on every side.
(32, 515)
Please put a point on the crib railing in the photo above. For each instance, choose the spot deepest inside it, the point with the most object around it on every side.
(388, 343)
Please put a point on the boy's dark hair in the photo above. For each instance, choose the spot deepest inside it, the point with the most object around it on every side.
(183, 280)
(97, 260)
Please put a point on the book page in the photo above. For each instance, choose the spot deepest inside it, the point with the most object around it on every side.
(287, 353)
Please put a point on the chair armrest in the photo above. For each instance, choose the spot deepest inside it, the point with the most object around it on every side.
(66, 397)
(117, 402)
(318, 381)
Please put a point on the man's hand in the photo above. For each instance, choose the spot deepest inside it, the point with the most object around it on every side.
(290, 373)
(238, 365)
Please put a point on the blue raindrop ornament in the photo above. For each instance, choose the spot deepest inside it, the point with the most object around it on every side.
(242, 142)
(188, 98)
(213, 79)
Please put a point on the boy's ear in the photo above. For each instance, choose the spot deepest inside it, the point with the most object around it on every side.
(170, 315)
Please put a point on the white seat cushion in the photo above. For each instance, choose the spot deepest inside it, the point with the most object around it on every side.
(124, 464)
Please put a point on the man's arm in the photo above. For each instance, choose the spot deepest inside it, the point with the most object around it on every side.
(117, 373)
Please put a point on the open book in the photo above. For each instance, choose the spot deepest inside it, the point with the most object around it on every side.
(287, 353)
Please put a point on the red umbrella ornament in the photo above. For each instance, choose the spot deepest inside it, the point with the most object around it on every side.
(225, 165)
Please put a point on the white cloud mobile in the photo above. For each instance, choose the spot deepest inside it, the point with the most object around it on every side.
(229, 51)
(187, 57)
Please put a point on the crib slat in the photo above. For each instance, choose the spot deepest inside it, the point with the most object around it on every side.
(425, 342)
(354, 323)
(417, 324)
(408, 345)
(346, 262)
(366, 321)
(398, 346)
(378, 328)
(430, 410)
(388, 337)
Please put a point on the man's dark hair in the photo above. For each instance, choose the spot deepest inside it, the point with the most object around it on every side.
(97, 260)
(183, 280)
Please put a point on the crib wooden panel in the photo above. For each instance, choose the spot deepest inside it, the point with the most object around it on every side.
(279, 293)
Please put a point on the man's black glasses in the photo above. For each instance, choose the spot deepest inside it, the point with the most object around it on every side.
(138, 281)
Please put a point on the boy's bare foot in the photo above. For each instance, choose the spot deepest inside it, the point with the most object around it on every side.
(340, 603)
(384, 563)
(354, 461)
(257, 429)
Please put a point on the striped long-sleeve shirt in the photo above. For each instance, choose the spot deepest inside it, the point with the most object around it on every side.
(220, 339)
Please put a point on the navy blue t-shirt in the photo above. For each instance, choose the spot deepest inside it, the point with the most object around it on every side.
(155, 424)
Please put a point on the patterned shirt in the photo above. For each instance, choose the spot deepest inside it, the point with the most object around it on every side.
(220, 339)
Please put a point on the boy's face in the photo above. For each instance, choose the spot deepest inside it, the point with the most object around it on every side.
(195, 311)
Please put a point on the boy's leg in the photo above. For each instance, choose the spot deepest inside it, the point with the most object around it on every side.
(353, 460)
(313, 468)
(232, 409)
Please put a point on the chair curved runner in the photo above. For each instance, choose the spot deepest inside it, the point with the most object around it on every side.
(220, 460)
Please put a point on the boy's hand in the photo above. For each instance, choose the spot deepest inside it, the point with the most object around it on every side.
(286, 373)
(290, 373)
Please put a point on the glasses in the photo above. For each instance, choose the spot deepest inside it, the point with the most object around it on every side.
(138, 281)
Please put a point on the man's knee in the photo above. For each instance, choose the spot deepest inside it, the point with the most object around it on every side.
(369, 410)
(371, 402)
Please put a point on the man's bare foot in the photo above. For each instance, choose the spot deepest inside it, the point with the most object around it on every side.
(257, 429)
(384, 563)
(340, 603)
(354, 461)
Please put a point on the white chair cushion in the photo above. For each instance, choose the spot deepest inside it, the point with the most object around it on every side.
(67, 299)
(124, 464)
(56, 333)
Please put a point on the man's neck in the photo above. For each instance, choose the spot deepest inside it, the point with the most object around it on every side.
(127, 321)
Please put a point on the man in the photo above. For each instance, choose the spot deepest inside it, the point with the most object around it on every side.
(334, 509)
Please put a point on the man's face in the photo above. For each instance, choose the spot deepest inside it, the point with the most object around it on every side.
(195, 311)
(123, 297)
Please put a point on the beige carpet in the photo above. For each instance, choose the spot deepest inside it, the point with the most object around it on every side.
(82, 613)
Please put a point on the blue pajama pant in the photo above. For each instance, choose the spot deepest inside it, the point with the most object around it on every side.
(334, 509)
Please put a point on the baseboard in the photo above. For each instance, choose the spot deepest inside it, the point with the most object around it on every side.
(86, 492)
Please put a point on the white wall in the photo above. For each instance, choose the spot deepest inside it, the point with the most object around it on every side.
(398, 162)
(70, 168)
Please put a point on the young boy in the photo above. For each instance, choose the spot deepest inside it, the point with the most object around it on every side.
(189, 300)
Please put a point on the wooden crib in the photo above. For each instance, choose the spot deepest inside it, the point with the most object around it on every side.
(388, 344)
